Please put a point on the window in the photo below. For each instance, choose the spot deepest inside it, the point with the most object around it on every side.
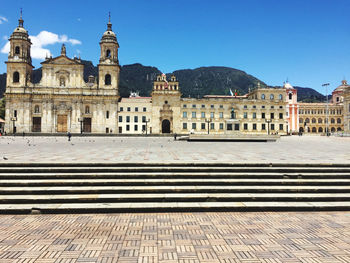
(221, 106)
(107, 79)
(108, 53)
(236, 126)
(338, 120)
(15, 77)
(17, 50)
(194, 105)
(272, 126)
(212, 126)
(136, 109)
(135, 127)
(129, 109)
(272, 96)
(245, 115)
(262, 96)
(272, 115)
(128, 127)
(87, 109)
(263, 106)
(263, 126)
(107, 114)
(281, 127)
(221, 126)
(319, 120)
(229, 126)
(203, 114)
(281, 107)
(272, 107)
(184, 126)
(143, 128)
(144, 109)
(254, 126)
(313, 120)
(245, 126)
(194, 126)
(15, 113)
(212, 115)
(136, 119)
(290, 96)
(127, 118)
(280, 97)
(184, 114)
(281, 116)
(332, 120)
(203, 126)
(221, 115)
(203, 106)
(254, 106)
(301, 120)
(254, 115)
(36, 109)
(143, 118)
(245, 106)
(194, 114)
(212, 106)
(263, 115)
(121, 109)
(120, 118)
(307, 120)
(184, 106)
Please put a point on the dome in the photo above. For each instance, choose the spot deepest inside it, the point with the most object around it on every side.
(287, 85)
(20, 32)
(343, 86)
(109, 35)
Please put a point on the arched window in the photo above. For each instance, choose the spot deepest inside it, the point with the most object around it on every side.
(108, 53)
(36, 109)
(87, 109)
(272, 97)
(339, 120)
(338, 129)
(332, 129)
(16, 77)
(319, 120)
(313, 129)
(17, 50)
(307, 120)
(332, 120)
(320, 129)
(62, 81)
(263, 97)
(280, 97)
(313, 120)
(108, 79)
(301, 120)
(290, 96)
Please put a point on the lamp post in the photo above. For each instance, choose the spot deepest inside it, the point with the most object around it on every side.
(147, 121)
(268, 126)
(81, 120)
(208, 121)
(327, 111)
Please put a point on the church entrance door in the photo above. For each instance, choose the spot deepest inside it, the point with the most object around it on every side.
(61, 123)
(87, 125)
(165, 126)
(36, 124)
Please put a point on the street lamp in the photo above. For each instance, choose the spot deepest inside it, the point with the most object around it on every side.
(81, 120)
(327, 113)
(147, 121)
(208, 121)
(268, 126)
(14, 119)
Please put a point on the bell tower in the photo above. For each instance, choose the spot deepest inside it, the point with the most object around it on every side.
(109, 68)
(19, 64)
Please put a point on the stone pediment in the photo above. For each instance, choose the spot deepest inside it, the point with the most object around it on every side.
(62, 60)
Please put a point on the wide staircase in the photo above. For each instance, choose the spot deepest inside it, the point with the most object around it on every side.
(94, 188)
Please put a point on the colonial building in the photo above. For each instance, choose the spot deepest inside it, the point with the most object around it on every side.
(62, 101)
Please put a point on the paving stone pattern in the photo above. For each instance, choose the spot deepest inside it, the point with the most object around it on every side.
(177, 237)
(295, 149)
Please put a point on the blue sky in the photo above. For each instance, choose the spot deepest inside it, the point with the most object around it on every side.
(306, 41)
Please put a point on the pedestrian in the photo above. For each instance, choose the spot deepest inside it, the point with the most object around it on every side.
(175, 135)
(69, 136)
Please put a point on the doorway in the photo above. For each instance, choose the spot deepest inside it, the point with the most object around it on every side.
(61, 123)
(165, 126)
(87, 125)
(36, 124)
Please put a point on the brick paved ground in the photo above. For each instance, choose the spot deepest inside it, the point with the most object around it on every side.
(295, 149)
(177, 237)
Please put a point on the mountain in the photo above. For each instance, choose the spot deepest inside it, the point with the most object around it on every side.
(193, 82)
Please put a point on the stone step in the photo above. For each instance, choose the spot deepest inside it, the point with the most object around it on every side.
(171, 189)
(177, 175)
(194, 169)
(173, 197)
(167, 181)
(172, 206)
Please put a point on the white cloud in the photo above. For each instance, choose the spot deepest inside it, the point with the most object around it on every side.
(41, 40)
(3, 19)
